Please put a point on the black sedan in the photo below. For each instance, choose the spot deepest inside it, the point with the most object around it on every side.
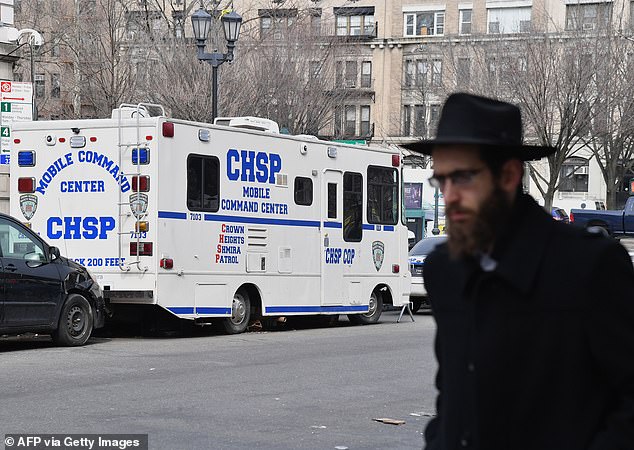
(43, 292)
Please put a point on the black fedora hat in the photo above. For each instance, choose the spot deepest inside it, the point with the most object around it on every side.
(491, 124)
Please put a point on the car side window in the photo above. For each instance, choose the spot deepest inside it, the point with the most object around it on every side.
(14, 243)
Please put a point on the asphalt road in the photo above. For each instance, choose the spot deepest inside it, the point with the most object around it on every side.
(315, 388)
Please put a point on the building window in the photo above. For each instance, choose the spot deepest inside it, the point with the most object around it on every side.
(338, 122)
(350, 126)
(407, 120)
(410, 72)
(419, 120)
(365, 121)
(428, 23)
(352, 207)
(382, 195)
(509, 20)
(314, 69)
(463, 72)
(303, 191)
(351, 74)
(573, 176)
(588, 17)
(436, 76)
(203, 183)
(55, 85)
(354, 21)
(40, 85)
(275, 23)
(465, 21)
(315, 21)
(422, 69)
(434, 115)
(366, 74)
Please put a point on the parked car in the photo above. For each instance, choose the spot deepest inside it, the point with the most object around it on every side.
(614, 223)
(417, 256)
(43, 291)
(559, 214)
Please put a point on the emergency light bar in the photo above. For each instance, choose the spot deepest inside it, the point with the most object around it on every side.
(140, 156)
(26, 159)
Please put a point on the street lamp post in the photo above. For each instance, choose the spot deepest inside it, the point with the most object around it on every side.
(201, 22)
(35, 39)
(435, 231)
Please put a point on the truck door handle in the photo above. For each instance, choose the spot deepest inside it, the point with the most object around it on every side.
(10, 268)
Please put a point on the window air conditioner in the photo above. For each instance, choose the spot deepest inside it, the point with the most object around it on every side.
(583, 170)
(588, 26)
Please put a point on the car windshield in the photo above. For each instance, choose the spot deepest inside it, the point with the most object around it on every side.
(425, 246)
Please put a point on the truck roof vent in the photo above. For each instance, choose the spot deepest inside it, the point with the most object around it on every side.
(249, 122)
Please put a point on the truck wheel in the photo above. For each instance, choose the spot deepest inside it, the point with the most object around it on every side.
(240, 314)
(75, 322)
(375, 309)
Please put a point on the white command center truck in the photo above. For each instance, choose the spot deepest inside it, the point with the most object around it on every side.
(231, 221)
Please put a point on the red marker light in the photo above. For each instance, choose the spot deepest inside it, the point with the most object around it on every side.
(396, 268)
(140, 183)
(166, 263)
(93, 139)
(396, 160)
(16, 141)
(62, 139)
(26, 185)
(148, 138)
(168, 129)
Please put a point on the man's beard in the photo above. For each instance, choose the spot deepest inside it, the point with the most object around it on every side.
(478, 234)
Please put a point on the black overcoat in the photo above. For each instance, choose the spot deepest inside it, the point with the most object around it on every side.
(539, 353)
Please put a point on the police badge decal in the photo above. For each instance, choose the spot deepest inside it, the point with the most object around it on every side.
(28, 205)
(377, 254)
(138, 204)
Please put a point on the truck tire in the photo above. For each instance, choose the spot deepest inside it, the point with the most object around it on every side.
(374, 311)
(75, 322)
(240, 313)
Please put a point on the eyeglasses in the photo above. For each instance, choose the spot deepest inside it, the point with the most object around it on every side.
(460, 178)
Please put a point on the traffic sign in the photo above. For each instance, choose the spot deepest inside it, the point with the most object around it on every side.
(16, 105)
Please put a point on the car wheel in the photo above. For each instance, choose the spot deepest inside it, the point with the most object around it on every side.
(417, 302)
(240, 314)
(375, 308)
(75, 322)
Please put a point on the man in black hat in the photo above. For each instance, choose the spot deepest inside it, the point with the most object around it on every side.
(535, 318)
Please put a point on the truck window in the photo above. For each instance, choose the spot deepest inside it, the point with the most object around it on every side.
(203, 183)
(382, 195)
(352, 206)
(303, 191)
(332, 201)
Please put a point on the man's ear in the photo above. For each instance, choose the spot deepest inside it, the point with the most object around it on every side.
(511, 175)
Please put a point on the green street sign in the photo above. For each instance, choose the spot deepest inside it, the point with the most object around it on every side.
(4, 132)
(5, 107)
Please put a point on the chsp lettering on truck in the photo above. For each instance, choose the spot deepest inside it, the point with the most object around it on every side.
(215, 223)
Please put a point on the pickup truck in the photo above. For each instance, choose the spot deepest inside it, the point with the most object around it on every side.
(615, 223)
